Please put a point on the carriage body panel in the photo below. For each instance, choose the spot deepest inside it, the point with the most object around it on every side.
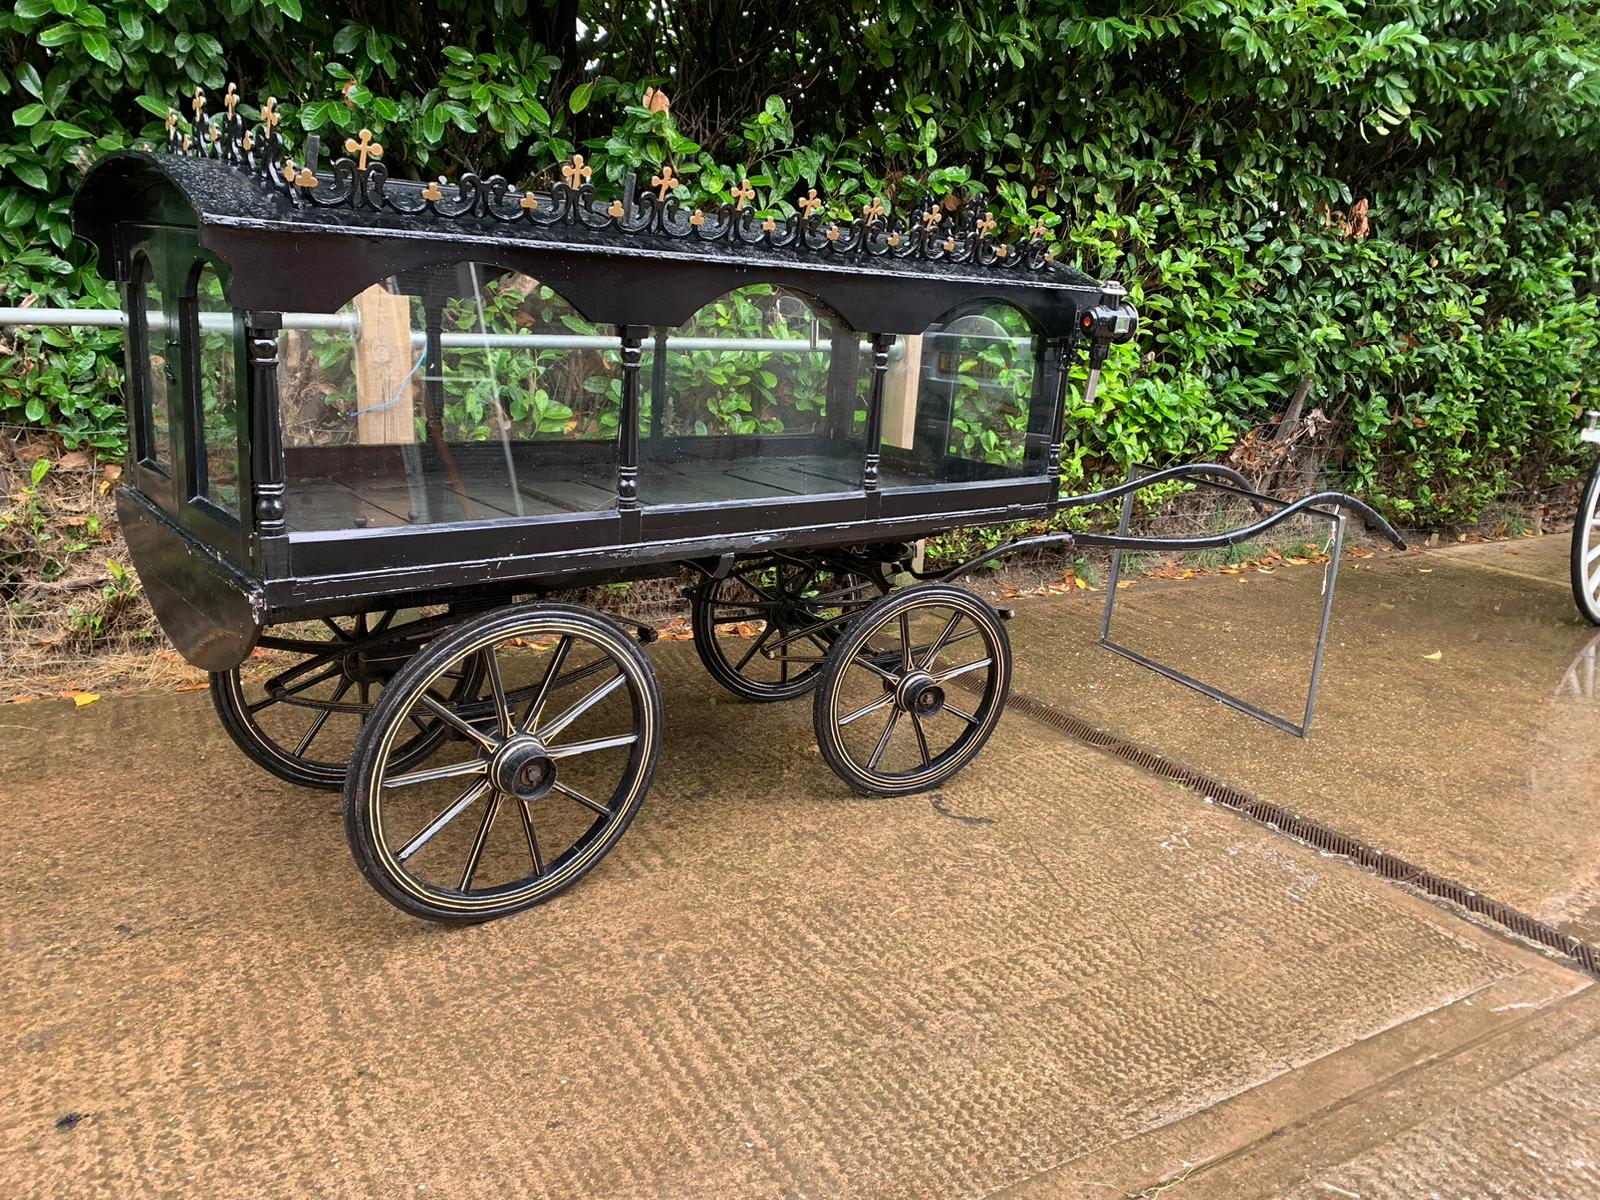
(335, 405)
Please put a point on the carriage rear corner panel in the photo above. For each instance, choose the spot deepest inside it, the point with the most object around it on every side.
(374, 422)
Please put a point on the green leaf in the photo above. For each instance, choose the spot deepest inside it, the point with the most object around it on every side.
(27, 115)
(579, 100)
(32, 175)
(32, 10)
(58, 35)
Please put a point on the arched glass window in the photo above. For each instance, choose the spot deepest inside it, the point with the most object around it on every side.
(218, 393)
(960, 400)
(158, 383)
(458, 392)
(761, 394)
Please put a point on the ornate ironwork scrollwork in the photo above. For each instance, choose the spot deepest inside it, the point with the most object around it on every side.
(948, 232)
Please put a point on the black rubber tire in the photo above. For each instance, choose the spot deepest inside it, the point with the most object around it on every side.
(710, 647)
(1586, 539)
(857, 635)
(363, 784)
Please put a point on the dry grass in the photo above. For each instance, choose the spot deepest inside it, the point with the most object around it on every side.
(70, 606)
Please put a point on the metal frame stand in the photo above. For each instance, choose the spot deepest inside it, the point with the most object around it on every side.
(1329, 579)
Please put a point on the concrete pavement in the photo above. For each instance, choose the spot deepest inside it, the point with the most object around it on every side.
(1059, 976)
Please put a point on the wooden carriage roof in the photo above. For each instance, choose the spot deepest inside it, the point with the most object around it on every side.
(296, 238)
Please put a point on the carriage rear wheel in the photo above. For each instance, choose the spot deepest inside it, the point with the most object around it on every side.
(1586, 549)
(301, 721)
(541, 776)
(912, 689)
(790, 609)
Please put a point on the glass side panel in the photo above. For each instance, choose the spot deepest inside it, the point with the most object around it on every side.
(159, 344)
(959, 401)
(219, 395)
(762, 394)
(456, 393)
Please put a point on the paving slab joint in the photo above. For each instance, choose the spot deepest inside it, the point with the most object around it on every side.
(1583, 955)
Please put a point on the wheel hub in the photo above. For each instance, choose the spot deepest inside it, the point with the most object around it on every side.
(523, 769)
(918, 693)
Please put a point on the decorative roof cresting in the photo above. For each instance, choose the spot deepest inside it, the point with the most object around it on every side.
(962, 233)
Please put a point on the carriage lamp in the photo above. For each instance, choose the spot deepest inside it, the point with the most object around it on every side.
(1591, 427)
(1111, 321)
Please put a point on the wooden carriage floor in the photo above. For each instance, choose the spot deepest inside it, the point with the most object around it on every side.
(486, 491)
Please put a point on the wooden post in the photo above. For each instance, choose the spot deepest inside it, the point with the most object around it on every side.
(385, 383)
(900, 395)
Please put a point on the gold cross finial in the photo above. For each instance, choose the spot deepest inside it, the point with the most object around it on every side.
(698, 219)
(931, 218)
(434, 192)
(172, 120)
(809, 203)
(987, 225)
(742, 195)
(199, 105)
(664, 183)
(270, 116)
(874, 210)
(231, 100)
(576, 172)
(1040, 230)
(363, 149)
(288, 170)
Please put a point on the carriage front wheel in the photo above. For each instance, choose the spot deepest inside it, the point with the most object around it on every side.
(1586, 550)
(546, 765)
(912, 689)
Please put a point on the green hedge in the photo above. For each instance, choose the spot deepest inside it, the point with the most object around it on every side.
(1389, 206)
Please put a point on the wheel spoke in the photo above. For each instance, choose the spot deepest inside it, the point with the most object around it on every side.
(479, 842)
(883, 742)
(882, 672)
(276, 693)
(533, 838)
(939, 643)
(922, 739)
(537, 705)
(573, 749)
(475, 766)
(497, 688)
(321, 720)
(756, 588)
(865, 709)
(581, 707)
(383, 621)
(756, 645)
(337, 632)
(956, 712)
(905, 641)
(456, 808)
(457, 723)
(572, 793)
(953, 672)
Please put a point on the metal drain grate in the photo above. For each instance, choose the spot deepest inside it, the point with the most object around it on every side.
(1331, 841)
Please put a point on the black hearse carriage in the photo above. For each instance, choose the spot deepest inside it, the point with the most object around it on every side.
(375, 422)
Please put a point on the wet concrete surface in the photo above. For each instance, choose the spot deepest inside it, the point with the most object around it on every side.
(1057, 976)
(1457, 726)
